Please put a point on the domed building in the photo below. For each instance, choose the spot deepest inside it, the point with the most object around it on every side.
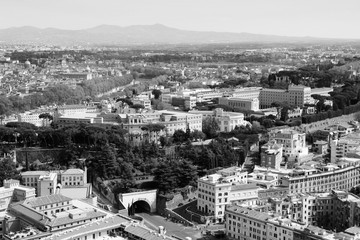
(27, 64)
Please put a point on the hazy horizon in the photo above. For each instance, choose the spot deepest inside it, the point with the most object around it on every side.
(319, 18)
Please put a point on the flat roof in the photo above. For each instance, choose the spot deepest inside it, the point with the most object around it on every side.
(261, 216)
(97, 226)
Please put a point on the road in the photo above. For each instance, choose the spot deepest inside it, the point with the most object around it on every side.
(179, 230)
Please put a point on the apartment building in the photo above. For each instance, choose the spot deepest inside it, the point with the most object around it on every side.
(33, 118)
(248, 93)
(227, 120)
(31, 178)
(44, 182)
(293, 143)
(243, 223)
(73, 177)
(47, 184)
(12, 191)
(207, 96)
(142, 101)
(171, 120)
(342, 176)
(250, 104)
(295, 95)
(345, 144)
(247, 223)
(69, 183)
(186, 102)
(217, 190)
(333, 209)
(70, 109)
(271, 155)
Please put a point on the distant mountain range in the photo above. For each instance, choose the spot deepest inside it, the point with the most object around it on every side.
(140, 35)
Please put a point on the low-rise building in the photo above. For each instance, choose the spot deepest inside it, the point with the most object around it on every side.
(249, 104)
(321, 147)
(49, 214)
(227, 120)
(12, 191)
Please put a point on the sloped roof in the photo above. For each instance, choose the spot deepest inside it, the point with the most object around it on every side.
(73, 171)
(46, 200)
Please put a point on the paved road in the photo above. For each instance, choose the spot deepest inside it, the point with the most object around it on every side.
(179, 230)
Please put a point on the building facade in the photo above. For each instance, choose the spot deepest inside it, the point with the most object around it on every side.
(271, 155)
(227, 120)
(250, 104)
(218, 190)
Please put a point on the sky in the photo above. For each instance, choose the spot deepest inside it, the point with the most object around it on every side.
(317, 18)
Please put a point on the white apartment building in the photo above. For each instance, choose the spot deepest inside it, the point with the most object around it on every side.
(73, 177)
(294, 95)
(171, 120)
(293, 143)
(245, 223)
(271, 155)
(167, 98)
(142, 101)
(71, 109)
(31, 178)
(227, 120)
(190, 102)
(44, 182)
(33, 118)
(248, 93)
(343, 176)
(208, 96)
(71, 183)
(47, 184)
(346, 144)
(218, 190)
(12, 191)
(251, 104)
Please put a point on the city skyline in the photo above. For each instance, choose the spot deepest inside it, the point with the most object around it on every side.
(328, 19)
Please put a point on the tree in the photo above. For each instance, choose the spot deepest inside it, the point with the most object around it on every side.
(47, 117)
(267, 123)
(156, 93)
(283, 108)
(179, 173)
(137, 107)
(5, 106)
(179, 136)
(197, 135)
(8, 170)
(210, 126)
(154, 127)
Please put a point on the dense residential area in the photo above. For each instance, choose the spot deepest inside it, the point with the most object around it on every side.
(159, 142)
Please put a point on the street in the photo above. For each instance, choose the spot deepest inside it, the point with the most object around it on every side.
(176, 229)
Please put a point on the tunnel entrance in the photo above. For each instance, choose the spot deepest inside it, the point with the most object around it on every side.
(141, 206)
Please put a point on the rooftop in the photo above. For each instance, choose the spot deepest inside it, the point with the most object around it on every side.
(73, 171)
(103, 224)
(64, 218)
(46, 200)
(261, 216)
(239, 186)
(34, 173)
